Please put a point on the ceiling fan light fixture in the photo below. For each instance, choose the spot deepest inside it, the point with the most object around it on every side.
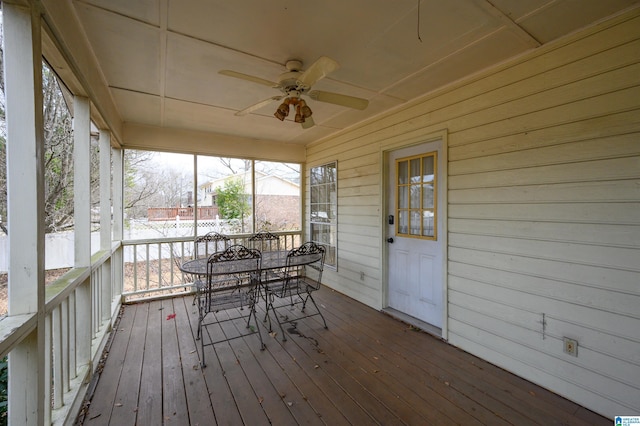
(283, 110)
(299, 116)
(305, 110)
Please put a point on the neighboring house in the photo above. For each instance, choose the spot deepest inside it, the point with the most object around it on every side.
(277, 203)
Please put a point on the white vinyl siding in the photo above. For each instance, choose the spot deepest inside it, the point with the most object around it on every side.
(543, 212)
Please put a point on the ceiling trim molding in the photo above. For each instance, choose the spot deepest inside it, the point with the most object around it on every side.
(155, 138)
(509, 23)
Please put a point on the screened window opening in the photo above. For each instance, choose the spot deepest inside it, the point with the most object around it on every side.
(323, 186)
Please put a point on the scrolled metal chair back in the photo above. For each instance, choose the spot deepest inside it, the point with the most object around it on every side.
(210, 243)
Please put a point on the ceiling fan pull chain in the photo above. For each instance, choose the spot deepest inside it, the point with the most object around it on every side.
(419, 38)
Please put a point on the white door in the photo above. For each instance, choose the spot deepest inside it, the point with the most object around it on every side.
(415, 218)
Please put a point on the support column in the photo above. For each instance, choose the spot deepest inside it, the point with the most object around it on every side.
(105, 219)
(105, 190)
(25, 190)
(82, 181)
(118, 216)
(82, 225)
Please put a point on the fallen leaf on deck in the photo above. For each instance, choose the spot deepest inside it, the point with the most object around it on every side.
(260, 400)
(171, 316)
(316, 366)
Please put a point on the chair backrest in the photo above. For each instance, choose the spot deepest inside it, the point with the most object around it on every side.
(306, 263)
(231, 275)
(264, 241)
(206, 245)
(237, 266)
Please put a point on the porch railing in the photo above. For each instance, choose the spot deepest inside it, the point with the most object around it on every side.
(70, 340)
(79, 309)
(151, 266)
(82, 305)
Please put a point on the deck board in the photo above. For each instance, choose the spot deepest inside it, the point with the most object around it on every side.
(101, 409)
(366, 368)
(510, 397)
(195, 387)
(174, 399)
(151, 391)
(129, 384)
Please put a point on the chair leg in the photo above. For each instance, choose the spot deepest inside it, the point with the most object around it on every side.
(309, 296)
(199, 326)
(201, 337)
(255, 319)
(275, 313)
(202, 363)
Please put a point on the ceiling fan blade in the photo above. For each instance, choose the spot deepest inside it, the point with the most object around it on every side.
(318, 70)
(338, 99)
(248, 77)
(308, 123)
(259, 105)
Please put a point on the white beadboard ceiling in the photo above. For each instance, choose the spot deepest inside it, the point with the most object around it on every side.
(160, 58)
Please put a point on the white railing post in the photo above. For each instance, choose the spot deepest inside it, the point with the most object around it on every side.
(118, 218)
(82, 224)
(105, 220)
(25, 190)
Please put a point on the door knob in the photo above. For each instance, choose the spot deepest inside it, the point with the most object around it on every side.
(389, 240)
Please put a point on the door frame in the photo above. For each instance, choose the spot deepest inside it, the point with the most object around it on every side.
(385, 150)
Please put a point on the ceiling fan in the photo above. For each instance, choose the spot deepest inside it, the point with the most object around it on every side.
(293, 84)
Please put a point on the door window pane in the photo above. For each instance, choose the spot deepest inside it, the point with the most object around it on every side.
(416, 202)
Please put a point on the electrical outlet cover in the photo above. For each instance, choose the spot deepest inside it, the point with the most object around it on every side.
(570, 346)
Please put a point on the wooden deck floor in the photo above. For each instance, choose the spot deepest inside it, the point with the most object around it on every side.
(367, 368)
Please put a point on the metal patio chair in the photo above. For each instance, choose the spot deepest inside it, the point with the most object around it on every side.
(265, 241)
(204, 246)
(231, 284)
(302, 276)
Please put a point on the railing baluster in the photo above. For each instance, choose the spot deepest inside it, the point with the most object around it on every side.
(48, 366)
(160, 265)
(64, 327)
(73, 367)
(135, 268)
(94, 304)
(172, 261)
(147, 265)
(57, 358)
